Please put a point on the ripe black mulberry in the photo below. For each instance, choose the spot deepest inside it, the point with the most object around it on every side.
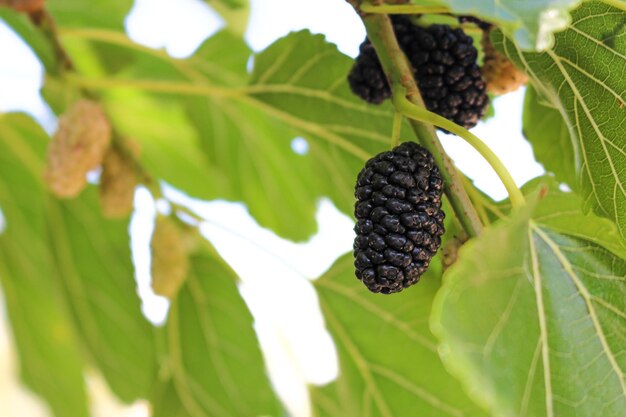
(367, 78)
(399, 218)
(445, 69)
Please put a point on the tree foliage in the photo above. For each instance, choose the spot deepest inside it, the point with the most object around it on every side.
(530, 319)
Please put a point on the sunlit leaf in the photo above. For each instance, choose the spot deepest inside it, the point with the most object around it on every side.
(545, 129)
(532, 317)
(214, 355)
(234, 12)
(89, 266)
(49, 358)
(96, 274)
(245, 133)
(32, 36)
(387, 354)
(583, 77)
(530, 23)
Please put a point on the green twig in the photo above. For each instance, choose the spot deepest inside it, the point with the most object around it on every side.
(409, 109)
(45, 22)
(66, 68)
(176, 87)
(395, 131)
(368, 7)
(396, 66)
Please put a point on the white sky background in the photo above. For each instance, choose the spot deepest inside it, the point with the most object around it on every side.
(289, 324)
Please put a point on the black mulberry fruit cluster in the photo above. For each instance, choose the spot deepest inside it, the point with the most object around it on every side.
(399, 218)
(444, 64)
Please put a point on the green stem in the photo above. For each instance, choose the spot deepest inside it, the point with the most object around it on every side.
(399, 71)
(409, 109)
(155, 86)
(368, 7)
(45, 22)
(395, 131)
(47, 25)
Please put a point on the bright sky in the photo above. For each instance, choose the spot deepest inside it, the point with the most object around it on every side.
(297, 347)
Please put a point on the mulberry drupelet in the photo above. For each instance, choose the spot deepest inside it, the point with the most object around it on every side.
(367, 78)
(399, 218)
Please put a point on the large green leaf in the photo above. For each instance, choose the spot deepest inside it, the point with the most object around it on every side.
(248, 134)
(32, 36)
(214, 355)
(532, 316)
(50, 362)
(389, 365)
(89, 261)
(583, 77)
(93, 13)
(240, 148)
(301, 80)
(561, 212)
(530, 23)
(251, 150)
(96, 274)
(170, 147)
(545, 129)
(166, 403)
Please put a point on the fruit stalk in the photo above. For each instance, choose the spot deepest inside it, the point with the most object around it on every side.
(398, 70)
(418, 113)
(397, 128)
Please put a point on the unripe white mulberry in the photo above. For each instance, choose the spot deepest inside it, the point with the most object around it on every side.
(498, 71)
(78, 146)
(117, 184)
(170, 261)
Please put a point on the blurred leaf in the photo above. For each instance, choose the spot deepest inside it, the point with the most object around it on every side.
(92, 16)
(253, 154)
(532, 316)
(50, 362)
(547, 132)
(214, 355)
(165, 401)
(387, 355)
(223, 59)
(59, 95)
(530, 23)
(96, 273)
(301, 81)
(231, 4)
(583, 76)
(246, 132)
(90, 261)
(108, 14)
(170, 148)
(32, 36)
(235, 12)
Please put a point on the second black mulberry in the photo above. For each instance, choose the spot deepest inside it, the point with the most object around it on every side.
(399, 218)
(445, 69)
